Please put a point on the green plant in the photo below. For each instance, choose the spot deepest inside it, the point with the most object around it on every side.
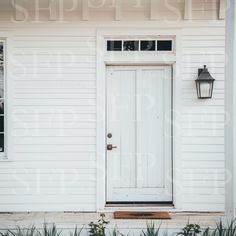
(231, 228)
(6, 233)
(98, 229)
(151, 230)
(76, 232)
(206, 232)
(222, 230)
(190, 230)
(165, 233)
(219, 231)
(31, 231)
(49, 231)
(115, 232)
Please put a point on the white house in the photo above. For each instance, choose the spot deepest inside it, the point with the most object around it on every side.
(101, 108)
(230, 101)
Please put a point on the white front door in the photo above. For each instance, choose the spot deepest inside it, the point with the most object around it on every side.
(139, 134)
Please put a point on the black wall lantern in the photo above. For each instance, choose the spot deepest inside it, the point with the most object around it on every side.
(204, 84)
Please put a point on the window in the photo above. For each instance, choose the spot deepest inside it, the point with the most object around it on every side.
(140, 45)
(131, 45)
(164, 45)
(115, 45)
(148, 45)
(2, 98)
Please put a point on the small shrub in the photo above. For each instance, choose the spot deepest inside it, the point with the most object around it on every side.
(190, 230)
(98, 229)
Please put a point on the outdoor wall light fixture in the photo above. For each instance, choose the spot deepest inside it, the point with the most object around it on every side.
(204, 83)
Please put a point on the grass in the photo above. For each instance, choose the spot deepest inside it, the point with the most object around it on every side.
(99, 229)
(151, 230)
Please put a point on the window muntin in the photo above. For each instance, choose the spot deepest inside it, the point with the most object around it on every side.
(2, 98)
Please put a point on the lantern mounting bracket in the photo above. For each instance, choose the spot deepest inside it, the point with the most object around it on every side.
(200, 70)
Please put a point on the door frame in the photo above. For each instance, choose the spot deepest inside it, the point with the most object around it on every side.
(104, 59)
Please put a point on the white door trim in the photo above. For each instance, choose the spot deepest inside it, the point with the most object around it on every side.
(103, 59)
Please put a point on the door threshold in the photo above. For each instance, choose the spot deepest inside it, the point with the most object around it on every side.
(143, 204)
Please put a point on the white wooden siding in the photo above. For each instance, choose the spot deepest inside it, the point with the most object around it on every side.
(53, 119)
(53, 124)
(203, 122)
(105, 10)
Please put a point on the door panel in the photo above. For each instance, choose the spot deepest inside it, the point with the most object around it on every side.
(139, 119)
(149, 124)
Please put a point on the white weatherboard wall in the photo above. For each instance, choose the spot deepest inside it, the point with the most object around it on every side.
(52, 105)
(53, 123)
(203, 121)
(170, 10)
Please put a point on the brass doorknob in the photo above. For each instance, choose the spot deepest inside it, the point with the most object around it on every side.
(110, 147)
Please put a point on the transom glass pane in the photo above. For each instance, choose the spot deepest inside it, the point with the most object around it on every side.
(1, 81)
(1, 106)
(1, 142)
(1, 52)
(114, 45)
(164, 45)
(1, 124)
(148, 45)
(131, 45)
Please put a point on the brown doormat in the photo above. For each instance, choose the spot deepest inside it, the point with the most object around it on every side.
(141, 215)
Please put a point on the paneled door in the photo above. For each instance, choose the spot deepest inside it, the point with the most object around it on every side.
(139, 134)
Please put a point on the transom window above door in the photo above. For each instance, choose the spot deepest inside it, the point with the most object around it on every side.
(150, 45)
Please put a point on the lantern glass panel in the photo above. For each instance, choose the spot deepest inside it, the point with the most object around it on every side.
(205, 89)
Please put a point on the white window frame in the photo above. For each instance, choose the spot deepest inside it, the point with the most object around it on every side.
(138, 38)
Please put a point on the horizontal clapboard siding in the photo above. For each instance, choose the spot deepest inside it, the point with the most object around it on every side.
(54, 117)
(203, 122)
(53, 125)
(104, 10)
